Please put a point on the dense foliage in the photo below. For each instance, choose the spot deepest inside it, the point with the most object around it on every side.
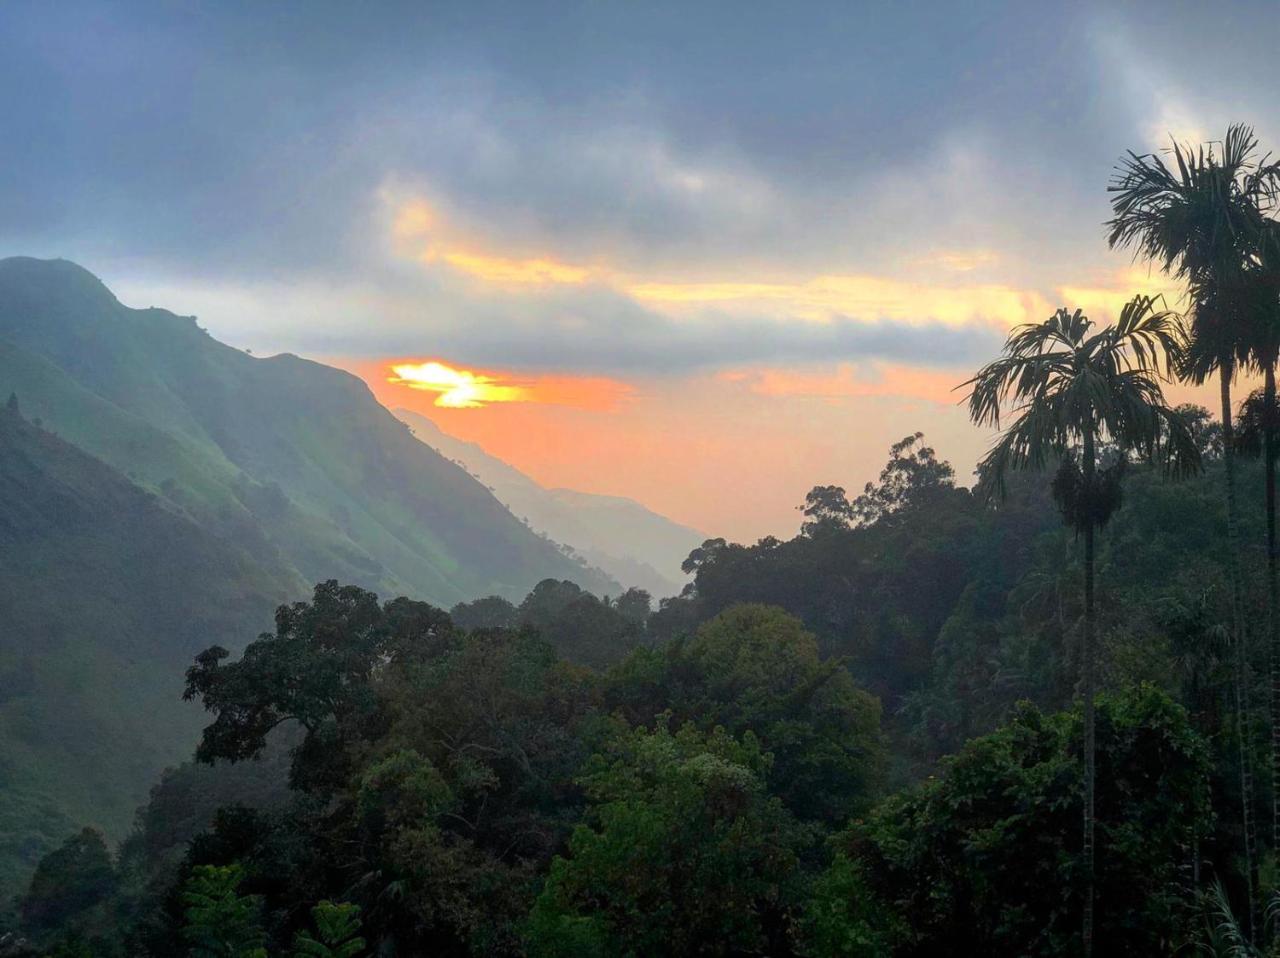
(469, 791)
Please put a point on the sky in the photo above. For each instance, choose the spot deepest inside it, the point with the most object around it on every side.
(706, 255)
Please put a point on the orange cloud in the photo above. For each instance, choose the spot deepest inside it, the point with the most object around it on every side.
(939, 294)
(504, 271)
(413, 219)
(422, 233)
(1102, 302)
(861, 297)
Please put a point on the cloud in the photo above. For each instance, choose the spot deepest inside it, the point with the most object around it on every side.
(621, 338)
(607, 188)
(418, 231)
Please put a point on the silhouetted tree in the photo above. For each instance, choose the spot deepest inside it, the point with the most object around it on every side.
(826, 508)
(1200, 220)
(1072, 387)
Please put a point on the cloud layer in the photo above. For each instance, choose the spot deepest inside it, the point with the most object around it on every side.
(761, 206)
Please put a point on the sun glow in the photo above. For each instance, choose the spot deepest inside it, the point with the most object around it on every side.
(455, 388)
(467, 389)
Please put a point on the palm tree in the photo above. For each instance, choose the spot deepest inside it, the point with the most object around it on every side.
(1207, 220)
(1072, 389)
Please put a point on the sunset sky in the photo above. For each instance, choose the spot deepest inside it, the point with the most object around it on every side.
(704, 255)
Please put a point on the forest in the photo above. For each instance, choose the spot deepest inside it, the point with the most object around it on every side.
(1034, 715)
(573, 775)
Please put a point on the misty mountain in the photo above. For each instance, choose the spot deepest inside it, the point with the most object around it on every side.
(161, 492)
(630, 542)
(294, 461)
(107, 593)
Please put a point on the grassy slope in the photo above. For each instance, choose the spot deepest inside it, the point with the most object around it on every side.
(281, 449)
(107, 594)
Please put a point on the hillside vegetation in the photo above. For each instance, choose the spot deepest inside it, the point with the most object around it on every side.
(107, 593)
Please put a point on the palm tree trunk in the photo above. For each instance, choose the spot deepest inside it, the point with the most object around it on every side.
(1273, 592)
(1086, 663)
(1241, 681)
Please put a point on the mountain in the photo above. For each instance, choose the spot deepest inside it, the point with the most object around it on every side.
(630, 542)
(107, 593)
(294, 461)
(161, 492)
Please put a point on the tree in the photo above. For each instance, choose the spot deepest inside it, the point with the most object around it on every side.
(580, 626)
(979, 860)
(825, 507)
(912, 474)
(1206, 432)
(1201, 222)
(68, 882)
(634, 605)
(702, 555)
(1072, 388)
(491, 612)
(684, 853)
(315, 670)
(220, 922)
(754, 669)
(337, 933)
(845, 919)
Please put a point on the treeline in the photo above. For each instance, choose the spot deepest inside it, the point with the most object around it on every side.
(411, 788)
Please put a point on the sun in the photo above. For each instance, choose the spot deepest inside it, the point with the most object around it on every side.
(456, 388)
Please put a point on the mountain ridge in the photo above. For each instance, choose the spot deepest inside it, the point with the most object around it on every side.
(296, 449)
(622, 536)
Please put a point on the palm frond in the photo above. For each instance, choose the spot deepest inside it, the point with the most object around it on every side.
(1063, 380)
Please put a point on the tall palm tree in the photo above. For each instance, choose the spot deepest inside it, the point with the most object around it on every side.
(1261, 296)
(1071, 389)
(1206, 219)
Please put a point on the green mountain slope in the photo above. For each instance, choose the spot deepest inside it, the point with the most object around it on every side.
(106, 595)
(293, 460)
(624, 538)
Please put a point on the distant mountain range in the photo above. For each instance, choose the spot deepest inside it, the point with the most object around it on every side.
(631, 543)
(161, 492)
